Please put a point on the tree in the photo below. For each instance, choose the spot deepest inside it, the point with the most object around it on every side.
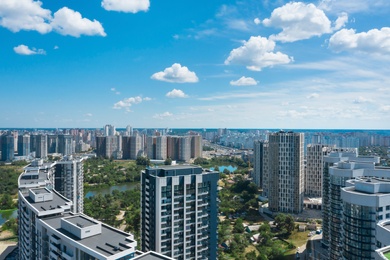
(238, 226)
(168, 161)
(285, 223)
(141, 160)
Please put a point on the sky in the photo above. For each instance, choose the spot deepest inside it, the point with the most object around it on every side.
(195, 64)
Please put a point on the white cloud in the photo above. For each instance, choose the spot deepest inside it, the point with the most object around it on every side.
(244, 81)
(127, 6)
(114, 90)
(298, 21)
(237, 24)
(374, 41)
(56, 47)
(257, 21)
(385, 108)
(176, 93)
(128, 102)
(88, 114)
(176, 74)
(17, 15)
(163, 115)
(313, 95)
(257, 53)
(69, 22)
(340, 21)
(361, 99)
(25, 50)
(353, 6)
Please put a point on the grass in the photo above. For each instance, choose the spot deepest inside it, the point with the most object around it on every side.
(387, 255)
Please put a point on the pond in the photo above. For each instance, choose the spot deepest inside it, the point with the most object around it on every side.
(108, 190)
(7, 214)
(223, 167)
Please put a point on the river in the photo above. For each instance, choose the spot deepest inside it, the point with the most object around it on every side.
(7, 214)
(108, 190)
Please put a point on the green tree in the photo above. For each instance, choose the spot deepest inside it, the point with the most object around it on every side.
(238, 226)
(168, 161)
(141, 160)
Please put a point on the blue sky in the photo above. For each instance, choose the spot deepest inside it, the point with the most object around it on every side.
(195, 64)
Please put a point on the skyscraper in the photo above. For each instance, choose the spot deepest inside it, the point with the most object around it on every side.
(314, 169)
(23, 145)
(286, 172)
(157, 147)
(69, 181)
(179, 212)
(7, 147)
(65, 144)
(260, 153)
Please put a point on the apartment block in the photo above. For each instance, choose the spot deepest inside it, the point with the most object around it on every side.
(179, 212)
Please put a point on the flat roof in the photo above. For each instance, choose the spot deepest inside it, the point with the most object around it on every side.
(45, 206)
(176, 170)
(109, 242)
(82, 221)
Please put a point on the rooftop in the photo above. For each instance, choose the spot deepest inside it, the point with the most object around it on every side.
(49, 202)
(108, 242)
(175, 170)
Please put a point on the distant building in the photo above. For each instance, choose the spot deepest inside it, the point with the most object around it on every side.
(108, 147)
(156, 147)
(179, 212)
(7, 147)
(23, 145)
(285, 172)
(65, 145)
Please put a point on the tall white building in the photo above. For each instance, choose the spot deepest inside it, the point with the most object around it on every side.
(179, 212)
(314, 169)
(285, 172)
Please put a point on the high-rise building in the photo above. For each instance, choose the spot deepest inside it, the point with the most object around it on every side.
(179, 148)
(7, 147)
(314, 169)
(109, 130)
(136, 146)
(365, 202)
(40, 146)
(108, 146)
(333, 157)
(157, 147)
(260, 153)
(285, 172)
(179, 212)
(339, 174)
(65, 145)
(196, 146)
(23, 145)
(68, 181)
(48, 229)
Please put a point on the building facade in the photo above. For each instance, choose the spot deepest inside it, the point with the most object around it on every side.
(314, 169)
(179, 212)
(7, 147)
(285, 172)
(23, 145)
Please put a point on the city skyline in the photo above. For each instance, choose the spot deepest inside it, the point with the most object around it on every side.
(231, 64)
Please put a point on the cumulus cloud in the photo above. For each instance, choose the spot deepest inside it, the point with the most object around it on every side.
(163, 115)
(374, 41)
(244, 81)
(128, 102)
(69, 22)
(25, 50)
(176, 74)
(24, 15)
(313, 95)
(176, 93)
(257, 21)
(340, 21)
(298, 21)
(257, 53)
(127, 6)
(30, 16)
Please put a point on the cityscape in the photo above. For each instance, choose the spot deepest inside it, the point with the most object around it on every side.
(241, 129)
(338, 179)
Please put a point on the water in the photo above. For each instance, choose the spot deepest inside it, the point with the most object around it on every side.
(5, 215)
(223, 167)
(109, 190)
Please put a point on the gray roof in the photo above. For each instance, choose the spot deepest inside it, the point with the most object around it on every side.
(45, 206)
(109, 242)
